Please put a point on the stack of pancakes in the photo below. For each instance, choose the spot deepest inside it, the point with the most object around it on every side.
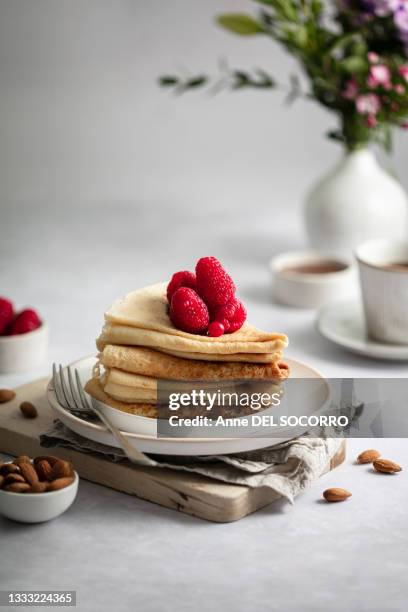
(139, 346)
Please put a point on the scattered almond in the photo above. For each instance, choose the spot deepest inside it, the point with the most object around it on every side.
(29, 473)
(61, 469)
(44, 470)
(386, 466)
(60, 483)
(368, 456)
(28, 410)
(6, 395)
(18, 487)
(336, 495)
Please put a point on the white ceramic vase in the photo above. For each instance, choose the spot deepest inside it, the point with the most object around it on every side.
(357, 201)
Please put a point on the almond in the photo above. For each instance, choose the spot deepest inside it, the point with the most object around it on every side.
(386, 466)
(6, 395)
(39, 487)
(60, 483)
(18, 487)
(336, 495)
(43, 469)
(29, 411)
(9, 468)
(29, 473)
(22, 459)
(13, 478)
(368, 456)
(61, 469)
(2, 479)
(50, 458)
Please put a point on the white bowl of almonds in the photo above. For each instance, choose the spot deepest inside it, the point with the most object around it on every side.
(35, 491)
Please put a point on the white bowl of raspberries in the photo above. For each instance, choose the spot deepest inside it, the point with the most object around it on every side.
(23, 338)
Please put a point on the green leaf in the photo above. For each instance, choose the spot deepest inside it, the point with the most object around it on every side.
(238, 23)
(300, 36)
(266, 79)
(196, 81)
(283, 8)
(354, 64)
(335, 135)
(168, 81)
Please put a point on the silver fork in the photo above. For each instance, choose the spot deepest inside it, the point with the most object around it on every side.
(71, 396)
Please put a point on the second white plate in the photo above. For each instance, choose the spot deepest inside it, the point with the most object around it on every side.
(343, 323)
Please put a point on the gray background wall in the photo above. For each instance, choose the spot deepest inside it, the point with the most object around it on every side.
(83, 121)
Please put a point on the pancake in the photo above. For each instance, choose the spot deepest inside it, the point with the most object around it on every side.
(94, 388)
(246, 357)
(128, 379)
(127, 394)
(147, 362)
(141, 319)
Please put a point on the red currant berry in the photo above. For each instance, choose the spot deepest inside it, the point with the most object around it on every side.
(215, 329)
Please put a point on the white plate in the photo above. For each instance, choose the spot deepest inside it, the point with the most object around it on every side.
(143, 434)
(343, 323)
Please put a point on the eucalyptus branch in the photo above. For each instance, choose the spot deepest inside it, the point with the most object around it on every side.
(234, 79)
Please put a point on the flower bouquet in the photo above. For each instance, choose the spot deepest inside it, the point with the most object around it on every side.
(354, 54)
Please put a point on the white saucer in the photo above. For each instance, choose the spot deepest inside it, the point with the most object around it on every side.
(343, 323)
(142, 431)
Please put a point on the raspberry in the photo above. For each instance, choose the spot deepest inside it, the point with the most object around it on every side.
(215, 329)
(6, 314)
(214, 285)
(26, 321)
(188, 311)
(231, 315)
(181, 279)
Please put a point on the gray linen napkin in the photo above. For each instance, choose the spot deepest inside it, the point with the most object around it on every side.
(287, 468)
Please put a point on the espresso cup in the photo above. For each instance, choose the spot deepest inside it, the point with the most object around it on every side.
(383, 270)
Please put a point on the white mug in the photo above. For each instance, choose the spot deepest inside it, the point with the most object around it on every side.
(384, 288)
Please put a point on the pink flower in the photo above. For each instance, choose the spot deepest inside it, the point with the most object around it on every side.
(404, 125)
(371, 121)
(403, 70)
(373, 58)
(400, 89)
(380, 75)
(351, 90)
(368, 104)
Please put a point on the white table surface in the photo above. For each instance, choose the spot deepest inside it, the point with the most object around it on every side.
(122, 553)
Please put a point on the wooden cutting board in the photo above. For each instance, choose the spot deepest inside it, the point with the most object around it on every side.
(190, 493)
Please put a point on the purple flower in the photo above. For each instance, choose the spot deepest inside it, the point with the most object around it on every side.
(401, 17)
(397, 9)
(381, 8)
